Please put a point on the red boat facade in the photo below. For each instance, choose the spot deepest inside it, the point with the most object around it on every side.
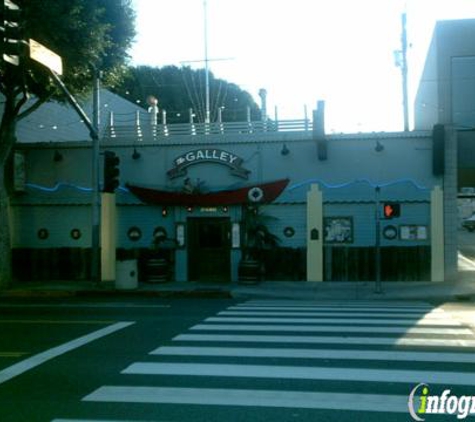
(260, 193)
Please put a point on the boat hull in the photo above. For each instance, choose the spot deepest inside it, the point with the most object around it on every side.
(259, 193)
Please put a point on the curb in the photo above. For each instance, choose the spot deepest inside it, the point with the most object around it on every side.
(41, 294)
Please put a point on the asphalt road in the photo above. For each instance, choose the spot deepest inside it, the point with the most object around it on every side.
(225, 360)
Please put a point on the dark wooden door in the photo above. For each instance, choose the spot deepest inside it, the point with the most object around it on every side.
(209, 249)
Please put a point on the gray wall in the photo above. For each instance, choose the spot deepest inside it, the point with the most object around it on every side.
(448, 78)
(348, 177)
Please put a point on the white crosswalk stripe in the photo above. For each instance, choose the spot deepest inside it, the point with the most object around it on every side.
(281, 342)
(258, 398)
(401, 322)
(331, 328)
(299, 372)
(334, 354)
(389, 341)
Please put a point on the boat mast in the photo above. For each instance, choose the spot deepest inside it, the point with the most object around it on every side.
(205, 12)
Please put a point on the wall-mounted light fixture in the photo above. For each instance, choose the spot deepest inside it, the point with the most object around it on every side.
(57, 157)
(136, 155)
(285, 150)
(379, 146)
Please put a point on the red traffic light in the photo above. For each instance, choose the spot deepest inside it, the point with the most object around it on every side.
(111, 171)
(391, 210)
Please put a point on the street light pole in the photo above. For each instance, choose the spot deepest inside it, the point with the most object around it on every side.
(94, 133)
(96, 199)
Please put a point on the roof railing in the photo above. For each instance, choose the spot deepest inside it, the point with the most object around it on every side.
(140, 130)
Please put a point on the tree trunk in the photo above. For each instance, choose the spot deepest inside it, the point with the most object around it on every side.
(5, 243)
(7, 139)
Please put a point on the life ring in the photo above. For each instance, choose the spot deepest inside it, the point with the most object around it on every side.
(255, 194)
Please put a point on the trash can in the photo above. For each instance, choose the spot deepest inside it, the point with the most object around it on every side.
(126, 275)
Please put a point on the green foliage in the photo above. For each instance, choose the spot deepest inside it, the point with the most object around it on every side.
(257, 235)
(84, 33)
(179, 89)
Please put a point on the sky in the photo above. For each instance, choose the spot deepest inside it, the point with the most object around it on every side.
(301, 51)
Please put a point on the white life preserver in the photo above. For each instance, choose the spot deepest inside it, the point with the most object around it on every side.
(255, 194)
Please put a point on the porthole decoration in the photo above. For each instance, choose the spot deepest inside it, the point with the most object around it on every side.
(289, 232)
(76, 234)
(255, 194)
(134, 234)
(43, 234)
(390, 232)
(160, 233)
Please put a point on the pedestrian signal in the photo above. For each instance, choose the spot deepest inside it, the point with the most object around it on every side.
(391, 210)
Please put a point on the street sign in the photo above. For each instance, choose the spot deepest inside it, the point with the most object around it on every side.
(46, 57)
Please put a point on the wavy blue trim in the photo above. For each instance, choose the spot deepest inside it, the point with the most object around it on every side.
(58, 186)
(343, 185)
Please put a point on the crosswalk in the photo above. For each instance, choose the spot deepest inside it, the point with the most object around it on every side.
(363, 357)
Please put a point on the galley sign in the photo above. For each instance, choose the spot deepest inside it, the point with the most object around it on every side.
(208, 156)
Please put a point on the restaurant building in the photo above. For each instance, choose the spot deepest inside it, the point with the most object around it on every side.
(344, 207)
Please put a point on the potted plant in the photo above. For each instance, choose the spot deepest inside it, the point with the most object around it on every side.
(257, 238)
(157, 263)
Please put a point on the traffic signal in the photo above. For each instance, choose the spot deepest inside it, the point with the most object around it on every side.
(391, 210)
(111, 171)
(12, 41)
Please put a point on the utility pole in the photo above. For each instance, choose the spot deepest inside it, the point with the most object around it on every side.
(405, 100)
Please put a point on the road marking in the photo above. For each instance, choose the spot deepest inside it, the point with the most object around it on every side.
(12, 354)
(341, 304)
(101, 420)
(430, 315)
(465, 263)
(258, 398)
(40, 358)
(53, 321)
(401, 322)
(333, 309)
(332, 329)
(300, 373)
(82, 305)
(390, 341)
(316, 354)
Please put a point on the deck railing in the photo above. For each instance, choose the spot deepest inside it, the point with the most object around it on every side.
(140, 130)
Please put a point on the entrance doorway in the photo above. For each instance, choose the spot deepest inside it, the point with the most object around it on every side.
(209, 249)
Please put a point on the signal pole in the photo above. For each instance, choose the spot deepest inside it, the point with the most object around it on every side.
(377, 287)
(96, 198)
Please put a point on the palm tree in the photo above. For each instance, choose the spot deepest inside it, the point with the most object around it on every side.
(257, 238)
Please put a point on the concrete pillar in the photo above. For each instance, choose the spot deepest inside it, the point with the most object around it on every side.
(437, 234)
(108, 236)
(314, 234)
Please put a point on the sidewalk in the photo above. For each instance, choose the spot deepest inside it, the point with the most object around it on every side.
(463, 289)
